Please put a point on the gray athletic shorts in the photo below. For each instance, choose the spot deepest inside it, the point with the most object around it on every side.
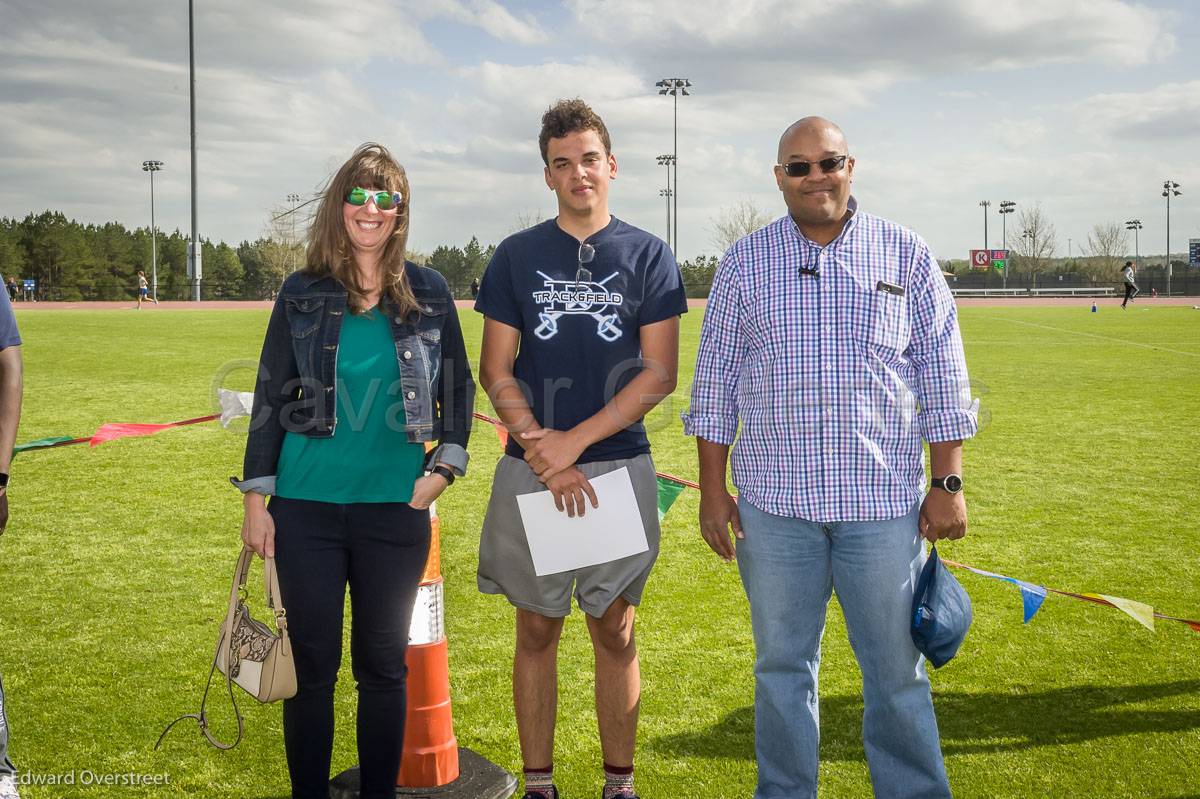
(506, 567)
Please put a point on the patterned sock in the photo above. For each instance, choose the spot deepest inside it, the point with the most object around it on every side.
(618, 781)
(540, 781)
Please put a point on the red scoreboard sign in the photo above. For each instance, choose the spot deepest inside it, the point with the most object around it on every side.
(996, 259)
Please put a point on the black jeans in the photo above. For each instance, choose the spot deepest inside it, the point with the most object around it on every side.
(1131, 291)
(379, 549)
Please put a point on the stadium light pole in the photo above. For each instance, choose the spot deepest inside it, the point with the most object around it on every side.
(675, 87)
(1170, 189)
(293, 199)
(1135, 225)
(667, 193)
(1006, 208)
(668, 161)
(152, 167)
(985, 204)
(194, 256)
(1028, 238)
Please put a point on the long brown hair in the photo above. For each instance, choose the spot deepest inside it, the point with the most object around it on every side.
(329, 249)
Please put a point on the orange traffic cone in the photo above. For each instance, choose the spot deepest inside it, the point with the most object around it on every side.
(430, 756)
(431, 760)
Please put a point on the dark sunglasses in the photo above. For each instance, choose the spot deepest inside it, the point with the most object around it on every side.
(799, 169)
(586, 253)
(384, 200)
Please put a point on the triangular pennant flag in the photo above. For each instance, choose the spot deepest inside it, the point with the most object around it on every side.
(668, 492)
(1032, 597)
(501, 433)
(1195, 625)
(41, 443)
(1142, 613)
(234, 404)
(114, 430)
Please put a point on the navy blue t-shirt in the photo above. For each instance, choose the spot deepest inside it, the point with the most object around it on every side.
(580, 347)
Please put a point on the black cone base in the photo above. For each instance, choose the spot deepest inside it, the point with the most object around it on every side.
(478, 778)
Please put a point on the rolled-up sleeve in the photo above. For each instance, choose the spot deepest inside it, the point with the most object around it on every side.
(713, 415)
(942, 387)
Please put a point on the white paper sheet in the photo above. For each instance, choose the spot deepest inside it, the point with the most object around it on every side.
(612, 531)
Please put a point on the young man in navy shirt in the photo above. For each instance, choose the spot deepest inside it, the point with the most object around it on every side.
(580, 342)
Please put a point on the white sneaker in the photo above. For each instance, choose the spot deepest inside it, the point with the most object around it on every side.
(8, 787)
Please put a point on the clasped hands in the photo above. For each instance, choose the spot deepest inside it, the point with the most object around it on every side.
(551, 456)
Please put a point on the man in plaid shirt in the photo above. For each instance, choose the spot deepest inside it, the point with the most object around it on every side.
(831, 337)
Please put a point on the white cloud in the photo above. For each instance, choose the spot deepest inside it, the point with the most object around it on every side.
(1167, 112)
(945, 103)
(907, 36)
(1020, 134)
(495, 19)
(962, 94)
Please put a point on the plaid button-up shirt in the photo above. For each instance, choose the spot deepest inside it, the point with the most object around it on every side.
(837, 361)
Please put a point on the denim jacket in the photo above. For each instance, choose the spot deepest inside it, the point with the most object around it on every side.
(295, 390)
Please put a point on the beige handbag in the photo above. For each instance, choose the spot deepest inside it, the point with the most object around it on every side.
(249, 654)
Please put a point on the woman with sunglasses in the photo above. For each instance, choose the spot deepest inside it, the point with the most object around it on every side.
(363, 363)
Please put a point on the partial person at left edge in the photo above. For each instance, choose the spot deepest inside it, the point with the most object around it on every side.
(363, 363)
(11, 385)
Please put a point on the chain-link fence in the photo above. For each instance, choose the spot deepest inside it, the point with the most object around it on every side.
(1185, 281)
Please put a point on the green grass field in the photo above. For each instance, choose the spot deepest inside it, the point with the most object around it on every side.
(1085, 478)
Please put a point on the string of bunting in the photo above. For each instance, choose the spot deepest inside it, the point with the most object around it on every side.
(109, 432)
(236, 404)
(1032, 595)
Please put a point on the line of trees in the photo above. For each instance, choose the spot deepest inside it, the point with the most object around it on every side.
(71, 261)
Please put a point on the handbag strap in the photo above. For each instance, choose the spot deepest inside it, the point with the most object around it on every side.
(271, 590)
(271, 586)
(275, 603)
(202, 717)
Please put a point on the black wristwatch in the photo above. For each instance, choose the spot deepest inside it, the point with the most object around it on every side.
(3, 480)
(951, 483)
(444, 472)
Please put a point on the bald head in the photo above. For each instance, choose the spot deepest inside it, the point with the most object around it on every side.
(806, 130)
(817, 187)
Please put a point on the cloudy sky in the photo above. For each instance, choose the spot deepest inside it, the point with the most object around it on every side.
(1081, 106)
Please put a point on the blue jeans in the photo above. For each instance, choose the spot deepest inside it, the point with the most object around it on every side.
(789, 567)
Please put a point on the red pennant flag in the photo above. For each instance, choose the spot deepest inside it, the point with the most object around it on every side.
(114, 430)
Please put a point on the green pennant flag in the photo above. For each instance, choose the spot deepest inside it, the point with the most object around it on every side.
(668, 492)
(41, 443)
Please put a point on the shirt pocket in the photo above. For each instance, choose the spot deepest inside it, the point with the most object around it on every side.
(881, 322)
(429, 335)
(304, 315)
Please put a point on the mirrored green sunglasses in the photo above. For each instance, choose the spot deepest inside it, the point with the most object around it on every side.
(384, 200)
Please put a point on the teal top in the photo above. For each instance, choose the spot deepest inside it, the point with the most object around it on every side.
(369, 457)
